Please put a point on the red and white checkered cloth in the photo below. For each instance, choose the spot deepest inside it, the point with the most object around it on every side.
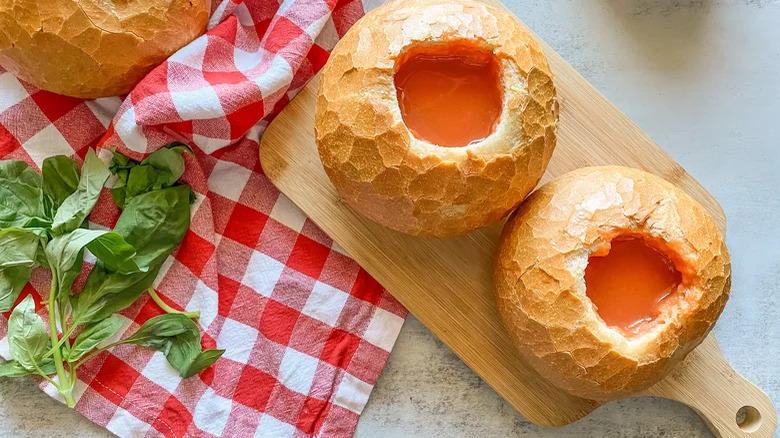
(306, 330)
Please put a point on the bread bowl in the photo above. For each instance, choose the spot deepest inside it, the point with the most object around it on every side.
(92, 48)
(404, 169)
(573, 242)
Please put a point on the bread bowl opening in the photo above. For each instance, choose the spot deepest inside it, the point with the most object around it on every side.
(449, 94)
(632, 284)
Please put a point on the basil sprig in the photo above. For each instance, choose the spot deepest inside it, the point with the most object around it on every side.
(43, 222)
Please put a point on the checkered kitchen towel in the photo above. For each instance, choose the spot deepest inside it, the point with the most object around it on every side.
(306, 330)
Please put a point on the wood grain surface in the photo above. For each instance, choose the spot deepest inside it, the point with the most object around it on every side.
(447, 283)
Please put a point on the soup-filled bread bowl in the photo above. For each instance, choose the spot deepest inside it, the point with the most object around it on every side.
(606, 277)
(436, 117)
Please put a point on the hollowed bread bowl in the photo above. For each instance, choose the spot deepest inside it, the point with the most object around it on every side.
(378, 164)
(548, 248)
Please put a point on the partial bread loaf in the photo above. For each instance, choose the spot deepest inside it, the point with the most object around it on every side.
(93, 48)
(541, 289)
(384, 172)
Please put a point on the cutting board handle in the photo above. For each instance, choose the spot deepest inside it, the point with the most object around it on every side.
(729, 404)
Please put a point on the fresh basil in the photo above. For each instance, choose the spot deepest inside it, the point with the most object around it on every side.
(178, 338)
(66, 254)
(109, 247)
(40, 226)
(202, 361)
(43, 220)
(119, 161)
(60, 179)
(120, 166)
(40, 256)
(12, 281)
(92, 336)
(13, 368)
(157, 332)
(21, 196)
(159, 170)
(154, 223)
(175, 335)
(141, 179)
(18, 248)
(106, 293)
(169, 164)
(76, 207)
(27, 337)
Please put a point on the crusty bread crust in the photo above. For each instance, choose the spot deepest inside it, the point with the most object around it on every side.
(540, 281)
(92, 48)
(384, 172)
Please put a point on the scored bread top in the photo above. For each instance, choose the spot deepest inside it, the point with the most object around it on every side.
(410, 185)
(540, 283)
(93, 48)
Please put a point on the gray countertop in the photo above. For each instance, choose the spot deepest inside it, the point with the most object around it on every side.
(702, 78)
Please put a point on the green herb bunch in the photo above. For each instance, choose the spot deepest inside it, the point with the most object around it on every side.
(43, 222)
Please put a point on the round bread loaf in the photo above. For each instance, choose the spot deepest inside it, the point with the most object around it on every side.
(540, 278)
(92, 48)
(378, 165)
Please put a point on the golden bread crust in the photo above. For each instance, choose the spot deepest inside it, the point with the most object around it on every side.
(93, 48)
(409, 185)
(540, 284)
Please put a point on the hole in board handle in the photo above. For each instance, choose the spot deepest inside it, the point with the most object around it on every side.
(748, 419)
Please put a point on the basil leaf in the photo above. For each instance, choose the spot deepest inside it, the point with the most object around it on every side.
(60, 179)
(13, 368)
(119, 188)
(142, 179)
(64, 350)
(157, 332)
(109, 247)
(178, 338)
(120, 166)
(173, 334)
(66, 255)
(159, 170)
(76, 207)
(115, 253)
(39, 226)
(17, 247)
(106, 293)
(154, 223)
(27, 336)
(21, 196)
(18, 250)
(12, 281)
(119, 161)
(169, 163)
(40, 257)
(202, 361)
(66, 277)
(92, 336)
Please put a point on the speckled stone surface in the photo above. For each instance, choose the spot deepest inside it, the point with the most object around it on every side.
(702, 78)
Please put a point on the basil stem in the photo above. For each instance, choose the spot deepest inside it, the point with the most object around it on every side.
(65, 388)
(168, 309)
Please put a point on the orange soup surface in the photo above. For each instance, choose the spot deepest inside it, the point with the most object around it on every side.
(449, 96)
(628, 285)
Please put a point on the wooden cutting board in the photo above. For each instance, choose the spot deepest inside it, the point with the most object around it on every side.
(447, 283)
